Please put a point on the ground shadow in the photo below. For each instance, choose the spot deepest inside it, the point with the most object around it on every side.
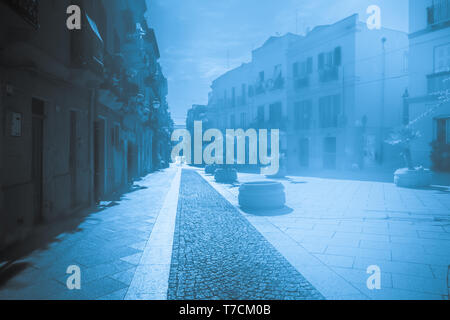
(49, 233)
(440, 189)
(10, 270)
(268, 213)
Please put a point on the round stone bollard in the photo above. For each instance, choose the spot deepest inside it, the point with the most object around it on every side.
(225, 175)
(263, 195)
(417, 178)
(210, 169)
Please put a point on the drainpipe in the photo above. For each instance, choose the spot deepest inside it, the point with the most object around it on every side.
(91, 119)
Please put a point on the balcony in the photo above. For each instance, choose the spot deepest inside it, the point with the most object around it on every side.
(259, 88)
(281, 124)
(438, 82)
(329, 74)
(438, 13)
(87, 54)
(301, 83)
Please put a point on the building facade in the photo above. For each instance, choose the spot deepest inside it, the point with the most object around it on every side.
(254, 95)
(345, 96)
(80, 109)
(427, 104)
(335, 94)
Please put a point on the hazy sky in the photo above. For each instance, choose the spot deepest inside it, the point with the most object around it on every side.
(201, 39)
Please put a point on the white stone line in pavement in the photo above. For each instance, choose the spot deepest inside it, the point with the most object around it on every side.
(331, 285)
(151, 279)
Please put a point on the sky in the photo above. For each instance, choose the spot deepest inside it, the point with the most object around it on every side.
(201, 39)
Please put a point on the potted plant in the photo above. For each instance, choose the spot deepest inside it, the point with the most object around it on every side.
(411, 176)
(210, 169)
(225, 174)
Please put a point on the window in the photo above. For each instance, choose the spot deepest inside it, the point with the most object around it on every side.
(243, 120)
(261, 115)
(303, 115)
(439, 12)
(329, 109)
(443, 130)
(233, 97)
(251, 91)
(232, 121)
(295, 70)
(275, 113)
(309, 65)
(277, 71)
(244, 94)
(321, 61)
(337, 56)
(442, 58)
(328, 60)
(261, 76)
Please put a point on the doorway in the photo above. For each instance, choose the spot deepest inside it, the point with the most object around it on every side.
(37, 158)
(73, 159)
(304, 153)
(131, 159)
(329, 153)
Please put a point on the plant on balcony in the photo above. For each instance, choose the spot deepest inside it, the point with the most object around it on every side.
(259, 88)
(278, 83)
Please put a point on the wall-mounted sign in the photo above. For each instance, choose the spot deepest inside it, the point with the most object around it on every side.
(16, 124)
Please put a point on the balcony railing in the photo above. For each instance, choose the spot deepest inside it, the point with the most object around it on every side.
(301, 83)
(329, 74)
(438, 83)
(87, 47)
(439, 12)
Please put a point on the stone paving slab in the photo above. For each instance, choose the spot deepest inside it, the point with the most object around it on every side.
(218, 254)
(106, 245)
(350, 225)
(150, 281)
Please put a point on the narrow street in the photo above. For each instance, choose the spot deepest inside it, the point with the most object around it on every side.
(179, 235)
(218, 254)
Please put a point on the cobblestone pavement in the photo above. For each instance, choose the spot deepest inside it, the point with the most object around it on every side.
(337, 228)
(107, 246)
(217, 254)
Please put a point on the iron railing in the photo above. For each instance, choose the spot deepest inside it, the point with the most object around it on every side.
(439, 12)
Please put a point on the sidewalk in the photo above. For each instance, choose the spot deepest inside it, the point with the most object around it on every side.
(338, 228)
(107, 246)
